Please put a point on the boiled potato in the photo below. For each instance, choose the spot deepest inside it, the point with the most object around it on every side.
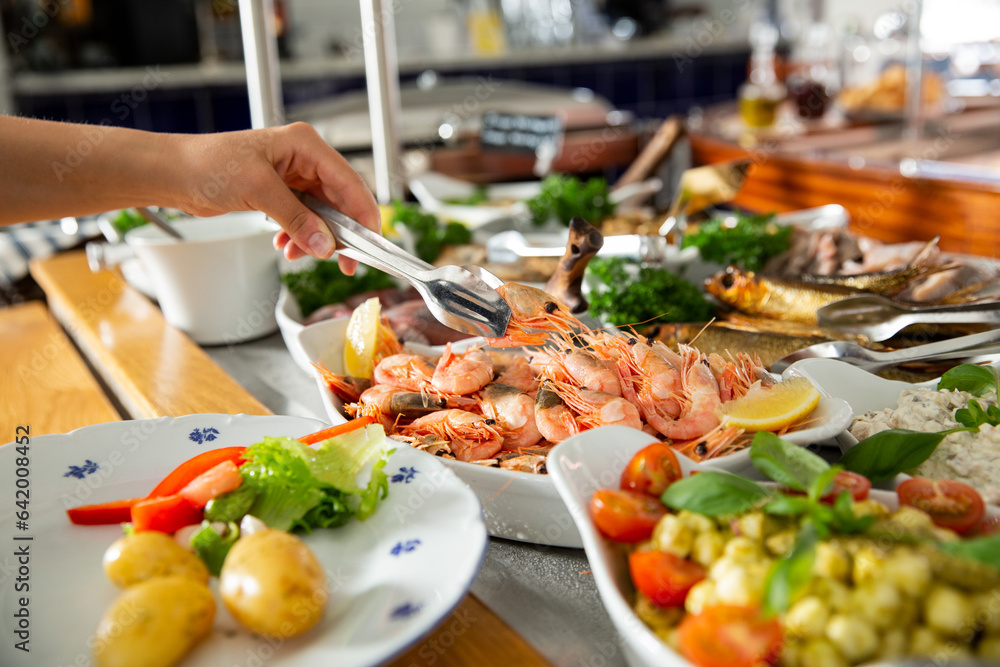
(149, 554)
(154, 623)
(273, 584)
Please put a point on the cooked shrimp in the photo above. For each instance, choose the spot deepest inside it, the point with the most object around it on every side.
(597, 408)
(737, 375)
(719, 441)
(462, 373)
(585, 369)
(532, 309)
(650, 375)
(514, 411)
(514, 370)
(554, 420)
(472, 436)
(405, 371)
(347, 388)
(698, 412)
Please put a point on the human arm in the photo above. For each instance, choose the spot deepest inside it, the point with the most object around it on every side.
(51, 170)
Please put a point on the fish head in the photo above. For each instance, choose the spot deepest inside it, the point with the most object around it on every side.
(737, 288)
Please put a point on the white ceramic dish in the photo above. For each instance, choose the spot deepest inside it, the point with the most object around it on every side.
(524, 506)
(578, 467)
(434, 190)
(430, 524)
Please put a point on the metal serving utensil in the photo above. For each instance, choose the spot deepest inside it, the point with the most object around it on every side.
(880, 318)
(462, 298)
(151, 216)
(963, 347)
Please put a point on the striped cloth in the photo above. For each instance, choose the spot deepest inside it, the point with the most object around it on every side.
(23, 242)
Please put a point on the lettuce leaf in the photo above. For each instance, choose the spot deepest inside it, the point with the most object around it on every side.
(213, 548)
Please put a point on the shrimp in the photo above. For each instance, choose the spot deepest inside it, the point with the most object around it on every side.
(514, 411)
(347, 388)
(531, 308)
(554, 420)
(719, 441)
(472, 437)
(597, 408)
(586, 369)
(737, 375)
(394, 401)
(698, 412)
(514, 370)
(462, 372)
(650, 376)
(405, 371)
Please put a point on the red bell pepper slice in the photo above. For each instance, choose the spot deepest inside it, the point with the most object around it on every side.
(167, 514)
(223, 478)
(117, 511)
(339, 429)
(186, 472)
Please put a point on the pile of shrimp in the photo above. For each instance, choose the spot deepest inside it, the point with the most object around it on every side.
(504, 409)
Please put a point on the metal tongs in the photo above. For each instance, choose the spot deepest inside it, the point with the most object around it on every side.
(879, 318)
(462, 298)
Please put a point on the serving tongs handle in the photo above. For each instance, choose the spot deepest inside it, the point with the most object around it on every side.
(360, 243)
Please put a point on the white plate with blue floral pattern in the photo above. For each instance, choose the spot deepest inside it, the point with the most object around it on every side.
(392, 578)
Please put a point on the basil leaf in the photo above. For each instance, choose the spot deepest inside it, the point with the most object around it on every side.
(972, 415)
(785, 505)
(982, 549)
(886, 454)
(844, 519)
(976, 380)
(823, 484)
(714, 494)
(786, 463)
(791, 573)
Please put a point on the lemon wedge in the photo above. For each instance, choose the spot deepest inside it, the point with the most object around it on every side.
(776, 407)
(361, 339)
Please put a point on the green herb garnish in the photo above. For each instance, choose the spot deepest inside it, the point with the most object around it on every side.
(976, 380)
(325, 284)
(567, 197)
(478, 196)
(788, 575)
(430, 235)
(643, 296)
(982, 549)
(888, 453)
(126, 220)
(714, 494)
(749, 244)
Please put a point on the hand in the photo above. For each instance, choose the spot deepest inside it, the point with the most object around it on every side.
(254, 169)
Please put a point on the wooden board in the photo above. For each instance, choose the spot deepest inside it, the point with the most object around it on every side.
(44, 382)
(153, 369)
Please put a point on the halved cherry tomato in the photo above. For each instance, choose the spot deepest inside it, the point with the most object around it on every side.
(730, 636)
(223, 478)
(339, 429)
(625, 516)
(858, 485)
(167, 514)
(183, 474)
(652, 470)
(664, 577)
(950, 504)
(117, 511)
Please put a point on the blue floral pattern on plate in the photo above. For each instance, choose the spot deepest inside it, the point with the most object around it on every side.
(404, 611)
(404, 547)
(203, 435)
(88, 468)
(404, 475)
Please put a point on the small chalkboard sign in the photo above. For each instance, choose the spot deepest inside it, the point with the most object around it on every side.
(519, 133)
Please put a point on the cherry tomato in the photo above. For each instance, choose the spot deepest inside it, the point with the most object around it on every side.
(652, 470)
(730, 636)
(625, 516)
(950, 504)
(858, 485)
(663, 577)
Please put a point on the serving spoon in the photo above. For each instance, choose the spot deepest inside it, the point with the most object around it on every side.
(879, 318)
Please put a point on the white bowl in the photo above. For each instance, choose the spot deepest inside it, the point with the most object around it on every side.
(220, 283)
(593, 460)
(519, 505)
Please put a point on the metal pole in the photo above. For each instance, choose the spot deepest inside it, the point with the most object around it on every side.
(913, 126)
(382, 74)
(6, 74)
(260, 51)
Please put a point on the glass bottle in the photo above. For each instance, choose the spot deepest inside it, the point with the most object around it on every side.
(760, 96)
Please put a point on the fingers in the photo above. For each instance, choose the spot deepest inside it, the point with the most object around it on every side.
(305, 231)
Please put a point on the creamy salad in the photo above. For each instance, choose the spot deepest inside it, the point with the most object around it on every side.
(973, 458)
